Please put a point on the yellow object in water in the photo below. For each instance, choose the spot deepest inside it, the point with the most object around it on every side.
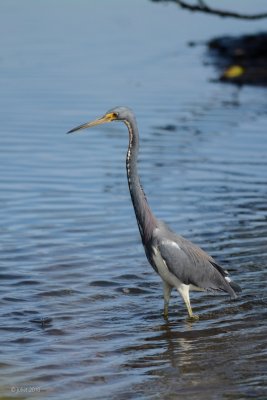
(233, 72)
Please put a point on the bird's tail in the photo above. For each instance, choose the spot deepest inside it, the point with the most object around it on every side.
(236, 288)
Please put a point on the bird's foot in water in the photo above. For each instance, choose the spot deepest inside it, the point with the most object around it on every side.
(193, 318)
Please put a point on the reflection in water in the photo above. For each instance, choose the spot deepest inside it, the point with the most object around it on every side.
(80, 307)
(191, 360)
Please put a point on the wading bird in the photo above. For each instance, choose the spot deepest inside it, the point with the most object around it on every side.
(180, 263)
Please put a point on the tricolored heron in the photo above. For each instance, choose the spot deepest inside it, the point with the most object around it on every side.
(180, 263)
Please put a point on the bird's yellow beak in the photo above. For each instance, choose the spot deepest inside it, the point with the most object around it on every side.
(103, 120)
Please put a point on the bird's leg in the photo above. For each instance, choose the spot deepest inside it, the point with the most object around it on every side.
(167, 294)
(184, 292)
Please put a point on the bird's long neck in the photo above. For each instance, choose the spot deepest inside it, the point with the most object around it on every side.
(145, 218)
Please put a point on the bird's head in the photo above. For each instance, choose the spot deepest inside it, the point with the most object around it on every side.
(115, 114)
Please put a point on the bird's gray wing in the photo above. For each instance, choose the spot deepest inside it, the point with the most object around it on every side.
(191, 265)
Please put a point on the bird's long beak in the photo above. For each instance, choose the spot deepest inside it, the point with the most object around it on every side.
(103, 120)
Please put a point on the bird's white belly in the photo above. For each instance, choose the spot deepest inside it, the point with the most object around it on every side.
(163, 270)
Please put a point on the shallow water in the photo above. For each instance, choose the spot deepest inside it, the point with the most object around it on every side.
(80, 306)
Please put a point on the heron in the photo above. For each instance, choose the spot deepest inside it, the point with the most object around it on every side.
(180, 263)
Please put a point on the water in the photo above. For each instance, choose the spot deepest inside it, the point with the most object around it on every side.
(80, 306)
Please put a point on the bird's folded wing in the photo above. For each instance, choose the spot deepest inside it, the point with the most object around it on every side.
(191, 265)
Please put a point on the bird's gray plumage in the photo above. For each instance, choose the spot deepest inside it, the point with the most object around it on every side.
(189, 263)
(180, 263)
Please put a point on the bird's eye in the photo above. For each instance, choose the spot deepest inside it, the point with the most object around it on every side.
(115, 115)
